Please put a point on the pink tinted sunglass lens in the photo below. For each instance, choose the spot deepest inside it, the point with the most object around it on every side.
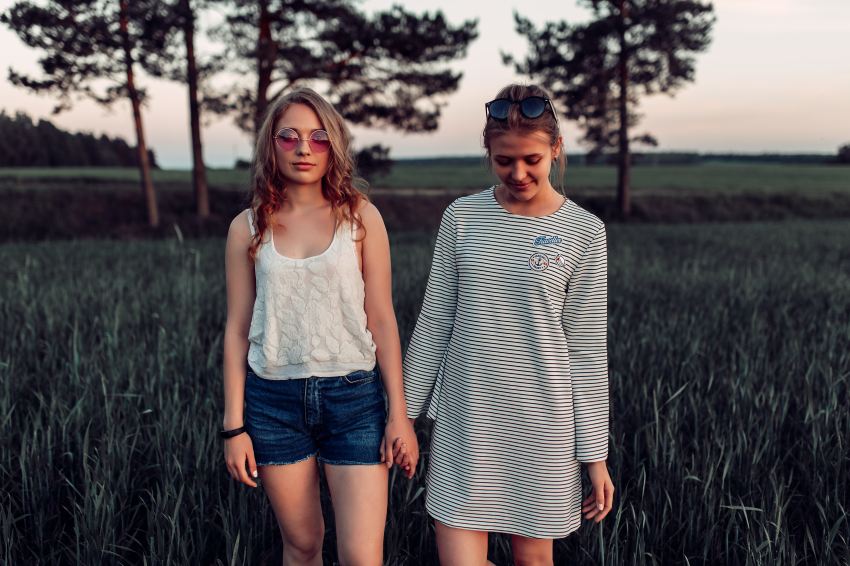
(286, 143)
(320, 145)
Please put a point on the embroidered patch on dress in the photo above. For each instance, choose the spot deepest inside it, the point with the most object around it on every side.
(538, 262)
(559, 260)
(547, 240)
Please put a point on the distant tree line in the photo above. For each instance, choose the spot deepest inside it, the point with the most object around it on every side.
(24, 143)
(693, 158)
(660, 158)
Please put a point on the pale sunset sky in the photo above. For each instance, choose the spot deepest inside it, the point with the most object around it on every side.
(776, 78)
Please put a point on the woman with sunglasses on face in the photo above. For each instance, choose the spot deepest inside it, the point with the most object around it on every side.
(509, 354)
(309, 313)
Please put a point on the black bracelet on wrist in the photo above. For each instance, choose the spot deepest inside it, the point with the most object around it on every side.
(231, 433)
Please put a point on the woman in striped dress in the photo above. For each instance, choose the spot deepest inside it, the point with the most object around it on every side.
(509, 354)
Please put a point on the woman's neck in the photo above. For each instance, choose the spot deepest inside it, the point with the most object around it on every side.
(305, 196)
(546, 201)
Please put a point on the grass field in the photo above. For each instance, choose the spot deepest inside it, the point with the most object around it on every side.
(472, 174)
(730, 384)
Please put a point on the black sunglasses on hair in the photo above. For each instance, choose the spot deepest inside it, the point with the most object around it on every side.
(530, 107)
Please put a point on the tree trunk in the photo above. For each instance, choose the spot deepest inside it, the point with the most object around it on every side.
(623, 157)
(148, 192)
(199, 172)
(265, 60)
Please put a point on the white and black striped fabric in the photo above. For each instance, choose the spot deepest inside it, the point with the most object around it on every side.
(509, 357)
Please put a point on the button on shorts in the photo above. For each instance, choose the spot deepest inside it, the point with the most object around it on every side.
(340, 419)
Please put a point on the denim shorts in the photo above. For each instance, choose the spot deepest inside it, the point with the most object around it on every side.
(340, 419)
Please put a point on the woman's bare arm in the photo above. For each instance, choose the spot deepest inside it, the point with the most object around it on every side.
(381, 322)
(241, 290)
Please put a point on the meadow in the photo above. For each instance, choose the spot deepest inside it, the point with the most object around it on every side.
(468, 174)
(46, 204)
(730, 387)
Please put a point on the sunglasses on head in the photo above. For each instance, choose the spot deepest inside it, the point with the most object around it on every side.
(530, 107)
(287, 139)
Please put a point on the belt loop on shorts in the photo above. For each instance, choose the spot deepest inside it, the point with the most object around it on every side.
(317, 394)
(312, 408)
(306, 404)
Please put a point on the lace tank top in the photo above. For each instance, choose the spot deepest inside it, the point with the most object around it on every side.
(309, 317)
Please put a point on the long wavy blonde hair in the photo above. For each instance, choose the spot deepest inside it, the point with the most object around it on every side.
(268, 187)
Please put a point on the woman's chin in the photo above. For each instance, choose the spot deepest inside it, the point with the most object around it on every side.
(301, 178)
(522, 192)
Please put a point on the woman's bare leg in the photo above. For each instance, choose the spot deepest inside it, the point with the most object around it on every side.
(293, 491)
(359, 497)
(531, 551)
(461, 547)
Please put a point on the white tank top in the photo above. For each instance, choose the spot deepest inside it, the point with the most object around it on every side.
(309, 317)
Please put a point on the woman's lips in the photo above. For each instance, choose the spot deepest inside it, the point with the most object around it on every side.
(521, 186)
(304, 166)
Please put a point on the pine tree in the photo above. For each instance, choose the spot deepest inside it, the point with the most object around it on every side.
(85, 42)
(596, 70)
(387, 69)
(174, 23)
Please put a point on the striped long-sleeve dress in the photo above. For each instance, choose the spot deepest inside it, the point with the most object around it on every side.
(509, 359)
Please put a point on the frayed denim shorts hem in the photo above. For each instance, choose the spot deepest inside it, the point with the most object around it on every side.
(348, 462)
(283, 463)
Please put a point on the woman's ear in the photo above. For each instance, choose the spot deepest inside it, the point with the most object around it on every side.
(557, 148)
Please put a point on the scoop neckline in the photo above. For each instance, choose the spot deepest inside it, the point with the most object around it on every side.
(515, 215)
(303, 259)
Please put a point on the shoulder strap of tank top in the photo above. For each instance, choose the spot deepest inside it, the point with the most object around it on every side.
(251, 222)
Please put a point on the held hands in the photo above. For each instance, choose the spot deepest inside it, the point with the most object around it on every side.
(237, 452)
(400, 445)
(597, 505)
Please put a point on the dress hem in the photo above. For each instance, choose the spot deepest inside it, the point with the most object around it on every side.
(502, 529)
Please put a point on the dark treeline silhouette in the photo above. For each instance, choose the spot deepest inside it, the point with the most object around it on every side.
(660, 158)
(695, 158)
(24, 143)
(782, 158)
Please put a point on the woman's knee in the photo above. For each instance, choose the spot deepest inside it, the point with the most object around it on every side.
(533, 560)
(304, 543)
(531, 552)
(359, 554)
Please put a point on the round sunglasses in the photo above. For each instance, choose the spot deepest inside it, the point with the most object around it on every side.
(531, 107)
(287, 139)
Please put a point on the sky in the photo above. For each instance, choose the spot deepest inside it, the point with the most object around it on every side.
(776, 78)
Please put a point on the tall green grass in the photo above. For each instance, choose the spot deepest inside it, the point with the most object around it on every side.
(729, 380)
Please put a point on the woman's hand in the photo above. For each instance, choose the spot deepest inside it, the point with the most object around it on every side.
(400, 445)
(597, 505)
(238, 451)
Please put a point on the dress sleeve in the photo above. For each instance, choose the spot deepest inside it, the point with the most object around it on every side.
(436, 320)
(585, 322)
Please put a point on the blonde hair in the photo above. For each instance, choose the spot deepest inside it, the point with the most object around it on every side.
(268, 187)
(516, 122)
